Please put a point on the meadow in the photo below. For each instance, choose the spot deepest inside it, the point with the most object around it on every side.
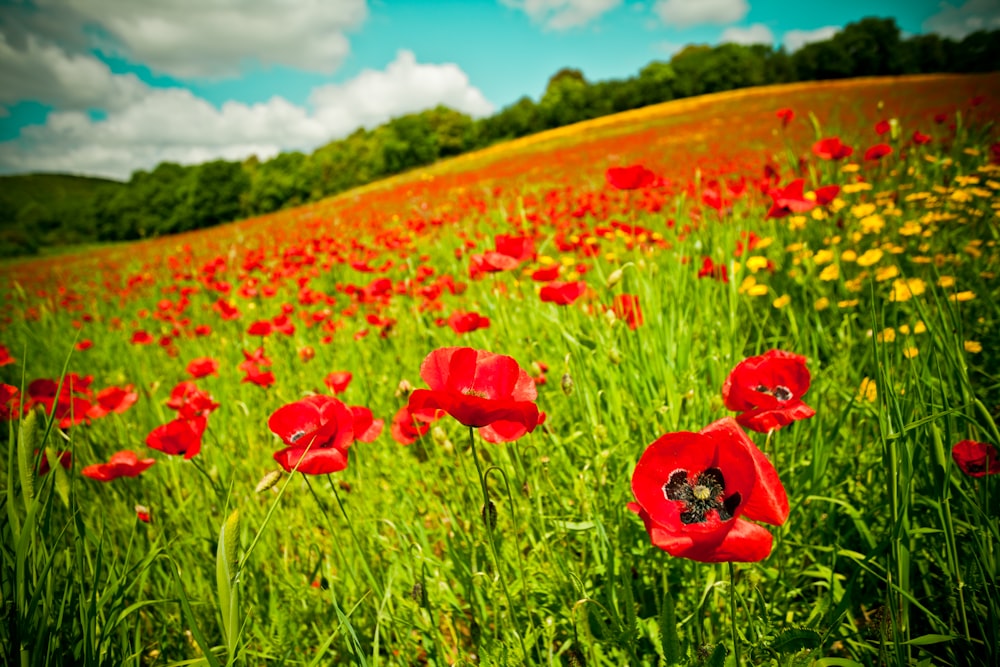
(712, 382)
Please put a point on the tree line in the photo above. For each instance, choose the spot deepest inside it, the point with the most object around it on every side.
(172, 198)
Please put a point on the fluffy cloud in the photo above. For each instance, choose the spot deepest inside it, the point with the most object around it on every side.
(796, 39)
(687, 13)
(957, 22)
(209, 38)
(175, 125)
(563, 14)
(757, 33)
(44, 73)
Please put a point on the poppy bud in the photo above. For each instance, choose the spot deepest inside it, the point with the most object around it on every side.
(615, 355)
(268, 481)
(614, 278)
(440, 438)
(403, 389)
(490, 515)
(567, 383)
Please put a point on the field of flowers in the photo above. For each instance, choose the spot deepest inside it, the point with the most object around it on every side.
(712, 382)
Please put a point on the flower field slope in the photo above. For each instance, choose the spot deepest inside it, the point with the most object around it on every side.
(711, 382)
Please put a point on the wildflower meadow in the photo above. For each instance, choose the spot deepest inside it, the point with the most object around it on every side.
(712, 382)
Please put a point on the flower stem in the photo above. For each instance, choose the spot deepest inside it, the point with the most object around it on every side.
(732, 614)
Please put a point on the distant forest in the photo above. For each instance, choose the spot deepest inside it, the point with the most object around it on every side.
(39, 210)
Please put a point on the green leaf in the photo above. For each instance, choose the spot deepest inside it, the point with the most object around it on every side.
(192, 622)
(27, 443)
(718, 657)
(226, 563)
(926, 640)
(668, 631)
(794, 640)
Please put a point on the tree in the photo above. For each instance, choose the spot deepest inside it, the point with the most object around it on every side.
(565, 99)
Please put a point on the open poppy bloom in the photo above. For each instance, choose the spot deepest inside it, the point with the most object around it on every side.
(877, 152)
(768, 390)
(407, 427)
(318, 431)
(692, 491)
(832, 148)
(199, 368)
(629, 178)
(121, 464)
(561, 293)
(976, 459)
(626, 307)
(180, 436)
(479, 389)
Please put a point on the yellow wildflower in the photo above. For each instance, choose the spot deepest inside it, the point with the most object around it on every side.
(905, 289)
(848, 256)
(822, 303)
(870, 257)
(851, 188)
(967, 295)
(782, 301)
(823, 256)
(798, 222)
(850, 167)
(862, 210)
(886, 273)
(887, 335)
(973, 346)
(847, 303)
(756, 263)
(919, 327)
(910, 352)
(910, 228)
(867, 391)
(946, 281)
(856, 284)
(831, 272)
(872, 224)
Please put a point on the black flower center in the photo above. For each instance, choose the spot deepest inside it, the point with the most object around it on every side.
(707, 493)
(781, 392)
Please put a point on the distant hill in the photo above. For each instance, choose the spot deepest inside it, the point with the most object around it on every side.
(47, 209)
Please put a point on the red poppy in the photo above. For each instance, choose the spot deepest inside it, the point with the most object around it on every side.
(882, 127)
(878, 151)
(976, 459)
(786, 116)
(260, 328)
(478, 388)
(318, 431)
(5, 357)
(768, 390)
(121, 464)
(142, 338)
(82, 346)
(9, 403)
(408, 426)
(463, 322)
(337, 381)
(113, 399)
(789, 199)
(521, 248)
(919, 138)
(178, 437)
(254, 360)
(629, 178)
(142, 513)
(832, 148)
(546, 274)
(190, 402)
(366, 427)
(626, 307)
(491, 262)
(710, 269)
(64, 458)
(561, 293)
(692, 491)
(199, 368)
(258, 377)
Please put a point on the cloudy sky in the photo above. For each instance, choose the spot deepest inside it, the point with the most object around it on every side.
(105, 87)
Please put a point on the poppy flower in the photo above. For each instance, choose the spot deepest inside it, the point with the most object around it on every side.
(254, 360)
(180, 436)
(786, 116)
(710, 269)
(463, 322)
(259, 377)
(8, 401)
(113, 399)
(260, 328)
(694, 492)
(142, 513)
(5, 357)
(189, 401)
(629, 178)
(919, 138)
(203, 366)
(318, 431)
(546, 274)
(408, 426)
(832, 148)
(121, 464)
(976, 459)
(768, 390)
(521, 248)
(366, 427)
(882, 127)
(337, 381)
(626, 307)
(789, 199)
(479, 389)
(561, 293)
(877, 152)
(63, 457)
(142, 338)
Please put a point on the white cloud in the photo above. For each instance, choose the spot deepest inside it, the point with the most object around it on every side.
(172, 124)
(213, 38)
(756, 33)
(957, 22)
(42, 72)
(796, 39)
(563, 14)
(687, 13)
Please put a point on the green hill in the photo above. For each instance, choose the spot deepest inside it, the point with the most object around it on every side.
(47, 209)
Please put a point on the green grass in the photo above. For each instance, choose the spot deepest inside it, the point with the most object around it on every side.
(889, 555)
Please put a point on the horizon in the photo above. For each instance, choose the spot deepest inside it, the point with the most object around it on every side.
(103, 89)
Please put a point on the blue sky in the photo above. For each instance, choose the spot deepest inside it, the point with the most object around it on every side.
(105, 87)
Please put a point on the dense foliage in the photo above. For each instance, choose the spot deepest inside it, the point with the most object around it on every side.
(173, 198)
